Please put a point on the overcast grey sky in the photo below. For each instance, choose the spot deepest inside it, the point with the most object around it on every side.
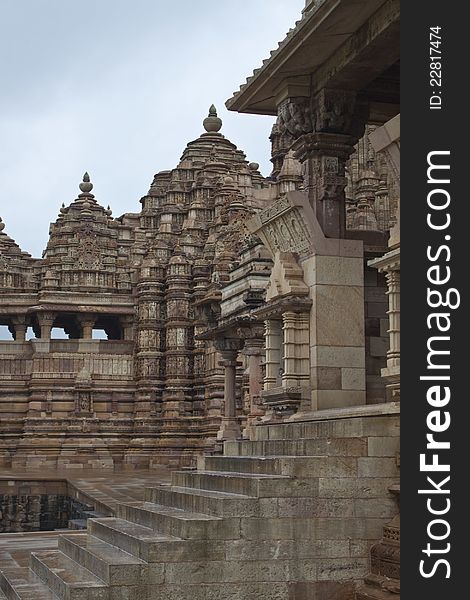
(117, 88)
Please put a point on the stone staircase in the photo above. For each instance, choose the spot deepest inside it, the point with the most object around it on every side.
(290, 515)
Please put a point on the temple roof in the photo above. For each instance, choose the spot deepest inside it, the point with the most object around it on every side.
(325, 27)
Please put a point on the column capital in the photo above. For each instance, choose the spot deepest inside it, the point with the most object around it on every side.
(228, 361)
(46, 317)
(324, 144)
(86, 319)
(19, 320)
(328, 111)
(254, 347)
(228, 346)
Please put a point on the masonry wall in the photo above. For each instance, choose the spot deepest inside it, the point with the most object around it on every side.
(33, 505)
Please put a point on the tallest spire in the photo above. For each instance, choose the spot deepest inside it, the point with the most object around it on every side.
(212, 123)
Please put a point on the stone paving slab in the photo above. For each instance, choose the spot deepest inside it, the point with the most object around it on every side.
(104, 490)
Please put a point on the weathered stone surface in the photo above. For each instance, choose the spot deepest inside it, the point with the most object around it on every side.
(291, 513)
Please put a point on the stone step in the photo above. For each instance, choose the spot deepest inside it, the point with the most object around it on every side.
(177, 522)
(362, 423)
(244, 484)
(381, 582)
(67, 579)
(93, 514)
(293, 466)
(108, 563)
(352, 446)
(254, 465)
(368, 592)
(139, 541)
(77, 524)
(145, 543)
(221, 504)
(20, 583)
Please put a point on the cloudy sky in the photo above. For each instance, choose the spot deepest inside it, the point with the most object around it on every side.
(117, 88)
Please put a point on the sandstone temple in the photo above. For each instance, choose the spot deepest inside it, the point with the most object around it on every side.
(241, 333)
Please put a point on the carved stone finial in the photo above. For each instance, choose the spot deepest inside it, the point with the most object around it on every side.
(2, 224)
(86, 186)
(212, 123)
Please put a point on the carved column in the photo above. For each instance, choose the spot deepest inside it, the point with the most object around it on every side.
(273, 353)
(392, 372)
(87, 322)
(326, 128)
(46, 320)
(295, 350)
(20, 328)
(230, 372)
(254, 349)
(289, 376)
(393, 292)
(229, 349)
(326, 156)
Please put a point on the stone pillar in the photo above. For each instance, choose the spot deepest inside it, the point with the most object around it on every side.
(273, 353)
(87, 322)
(254, 349)
(289, 376)
(295, 350)
(127, 324)
(393, 292)
(326, 128)
(229, 360)
(326, 155)
(229, 349)
(46, 320)
(20, 328)
(391, 373)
